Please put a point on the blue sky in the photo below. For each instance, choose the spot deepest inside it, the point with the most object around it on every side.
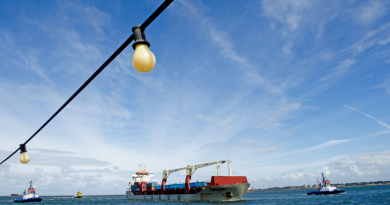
(285, 89)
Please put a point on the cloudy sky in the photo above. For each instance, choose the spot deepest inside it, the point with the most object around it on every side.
(285, 89)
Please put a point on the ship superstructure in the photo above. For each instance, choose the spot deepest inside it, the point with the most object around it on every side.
(220, 188)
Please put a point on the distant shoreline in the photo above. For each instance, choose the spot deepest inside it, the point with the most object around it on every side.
(70, 195)
(282, 189)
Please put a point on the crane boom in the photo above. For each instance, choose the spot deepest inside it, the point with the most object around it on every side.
(166, 173)
(190, 170)
(193, 168)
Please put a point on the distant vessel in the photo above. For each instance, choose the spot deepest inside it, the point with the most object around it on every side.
(249, 190)
(79, 195)
(325, 188)
(17, 194)
(30, 196)
(221, 188)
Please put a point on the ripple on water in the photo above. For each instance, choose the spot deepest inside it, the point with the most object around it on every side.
(353, 195)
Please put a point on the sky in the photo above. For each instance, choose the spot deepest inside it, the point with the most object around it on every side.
(284, 89)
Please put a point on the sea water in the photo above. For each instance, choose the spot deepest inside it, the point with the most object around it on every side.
(352, 195)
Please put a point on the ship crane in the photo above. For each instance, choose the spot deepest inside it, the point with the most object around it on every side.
(190, 169)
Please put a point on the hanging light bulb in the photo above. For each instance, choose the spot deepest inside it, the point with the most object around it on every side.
(143, 59)
(24, 157)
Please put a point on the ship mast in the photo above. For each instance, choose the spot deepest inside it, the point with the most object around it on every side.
(230, 169)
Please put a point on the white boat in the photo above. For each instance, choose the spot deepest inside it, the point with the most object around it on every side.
(325, 188)
(29, 196)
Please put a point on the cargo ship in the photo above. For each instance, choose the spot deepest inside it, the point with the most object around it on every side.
(220, 188)
(17, 194)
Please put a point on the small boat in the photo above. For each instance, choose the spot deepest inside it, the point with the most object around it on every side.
(79, 195)
(17, 194)
(249, 190)
(29, 196)
(325, 188)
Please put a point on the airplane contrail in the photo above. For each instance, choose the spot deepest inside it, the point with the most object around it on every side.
(378, 121)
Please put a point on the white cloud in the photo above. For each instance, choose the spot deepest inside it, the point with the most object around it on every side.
(161, 111)
(275, 120)
(266, 149)
(363, 165)
(249, 140)
(373, 166)
(375, 134)
(213, 119)
(288, 13)
(256, 145)
(206, 118)
(377, 37)
(318, 147)
(370, 11)
(255, 78)
(385, 84)
(339, 70)
(48, 168)
(194, 12)
(321, 25)
(378, 121)
(287, 48)
(25, 59)
(293, 179)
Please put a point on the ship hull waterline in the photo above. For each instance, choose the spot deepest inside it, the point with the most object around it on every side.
(325, 192)
(28, 200)
(212, 193)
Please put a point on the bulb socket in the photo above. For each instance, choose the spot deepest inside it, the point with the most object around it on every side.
(139, 36)
(22, 148)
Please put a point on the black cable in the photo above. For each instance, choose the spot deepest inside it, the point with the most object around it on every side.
(160, 9)
(156, 13)
(10, 156)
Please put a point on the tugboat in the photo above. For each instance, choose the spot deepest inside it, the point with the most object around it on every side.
(30, 196)
(325, 188)
(79, 195)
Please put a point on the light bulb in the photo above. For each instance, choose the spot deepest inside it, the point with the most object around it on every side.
(24, 158)
(143, 59)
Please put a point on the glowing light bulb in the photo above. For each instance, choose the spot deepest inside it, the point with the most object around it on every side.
(143, 59)
(24, 158)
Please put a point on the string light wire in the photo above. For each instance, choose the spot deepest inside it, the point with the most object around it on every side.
(151, 18)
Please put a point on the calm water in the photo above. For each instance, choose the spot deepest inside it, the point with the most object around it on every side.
(353, 195)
